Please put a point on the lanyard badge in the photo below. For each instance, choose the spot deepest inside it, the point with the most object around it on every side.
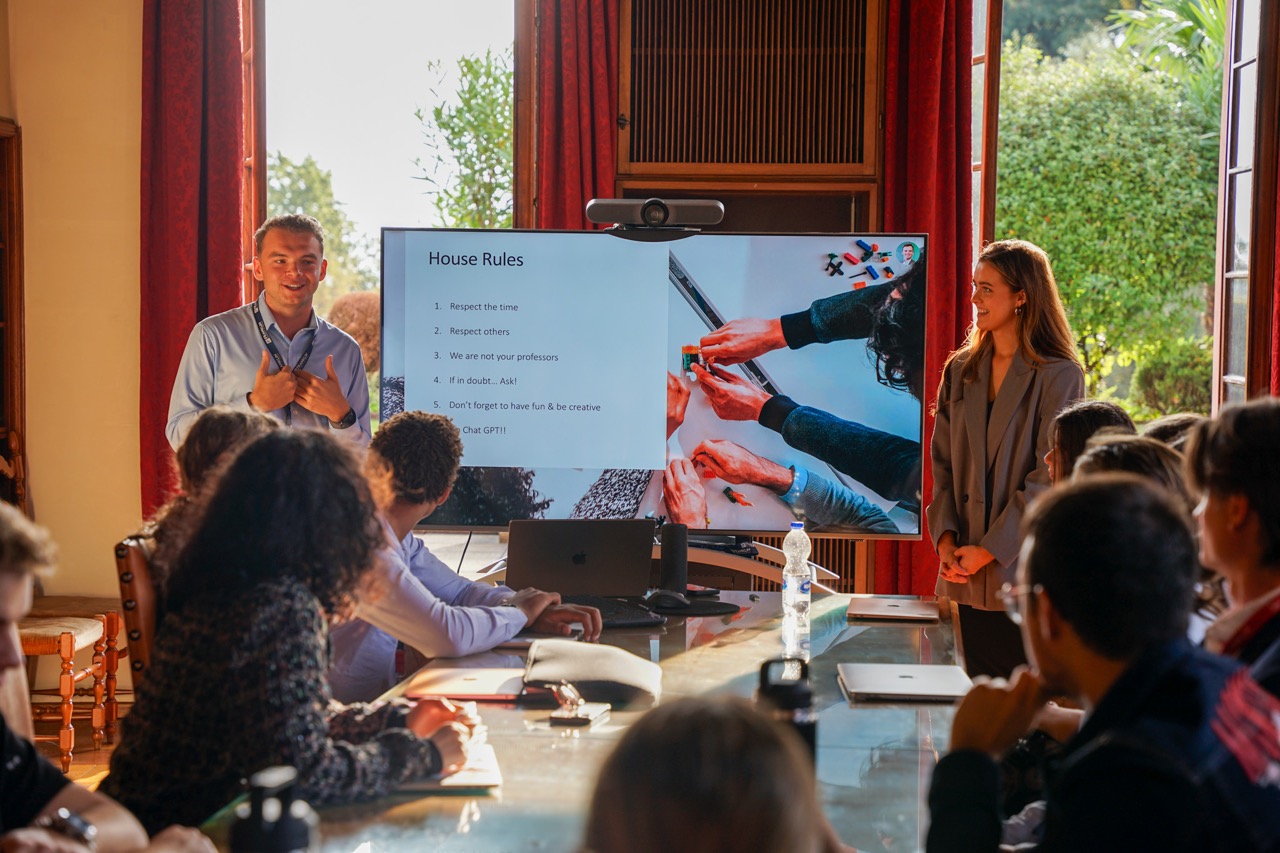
(275, 354)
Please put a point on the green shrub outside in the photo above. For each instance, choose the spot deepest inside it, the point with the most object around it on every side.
(1110, 170)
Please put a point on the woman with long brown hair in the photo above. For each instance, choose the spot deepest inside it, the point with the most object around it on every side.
(999, 395)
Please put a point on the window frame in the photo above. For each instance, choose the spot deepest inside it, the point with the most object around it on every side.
(985, 164)
(1260, 271)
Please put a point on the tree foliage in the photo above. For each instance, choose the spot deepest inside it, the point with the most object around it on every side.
(1101, 164)
(470, 143)
(1176, 377)
(1055, 23)
(304, 187)
(1185, 39)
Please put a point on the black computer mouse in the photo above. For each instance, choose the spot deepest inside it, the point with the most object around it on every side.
(664, 599)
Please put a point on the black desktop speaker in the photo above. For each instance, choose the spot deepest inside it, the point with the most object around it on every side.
(675, 558)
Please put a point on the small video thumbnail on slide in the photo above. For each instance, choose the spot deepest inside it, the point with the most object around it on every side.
(730, 382)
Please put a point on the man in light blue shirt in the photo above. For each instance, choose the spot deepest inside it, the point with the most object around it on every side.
(254, 356)
(412, 596)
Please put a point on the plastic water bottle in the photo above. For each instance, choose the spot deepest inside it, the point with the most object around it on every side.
(797, 577)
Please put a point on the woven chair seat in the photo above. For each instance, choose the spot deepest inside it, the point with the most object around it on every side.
(40, 635)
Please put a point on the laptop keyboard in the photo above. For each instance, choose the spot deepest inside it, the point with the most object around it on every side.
(615, 613)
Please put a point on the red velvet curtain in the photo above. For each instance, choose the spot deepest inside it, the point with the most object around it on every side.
(192, 162)
(577, 108)
(928, 188)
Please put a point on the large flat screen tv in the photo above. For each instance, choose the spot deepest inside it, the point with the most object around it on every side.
(570, 363)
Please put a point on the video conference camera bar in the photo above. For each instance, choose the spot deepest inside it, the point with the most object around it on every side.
(655, 212)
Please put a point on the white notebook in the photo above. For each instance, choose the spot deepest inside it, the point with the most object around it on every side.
(902, 682)
(480, 772)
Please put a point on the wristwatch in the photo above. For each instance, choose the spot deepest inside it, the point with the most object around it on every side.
(73, 826)
(348, 420)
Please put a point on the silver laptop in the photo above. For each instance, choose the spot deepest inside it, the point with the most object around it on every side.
(892, 608)
(902, 682)
(604, 557)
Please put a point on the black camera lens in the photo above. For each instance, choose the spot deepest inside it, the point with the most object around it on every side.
(654, 213)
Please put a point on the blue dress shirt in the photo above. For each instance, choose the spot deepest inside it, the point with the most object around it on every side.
(221, 362)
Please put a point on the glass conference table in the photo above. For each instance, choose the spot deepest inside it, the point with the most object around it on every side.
(874, 760)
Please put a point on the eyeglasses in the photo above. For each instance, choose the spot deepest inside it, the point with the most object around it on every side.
(1011, 596)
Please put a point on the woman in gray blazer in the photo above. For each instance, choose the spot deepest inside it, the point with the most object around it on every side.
(998, 397)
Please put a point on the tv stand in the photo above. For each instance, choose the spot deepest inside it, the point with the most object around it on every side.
(766, 561)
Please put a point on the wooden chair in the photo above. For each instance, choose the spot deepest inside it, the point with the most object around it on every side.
(138, 597)
(85, 607)
(64, 636)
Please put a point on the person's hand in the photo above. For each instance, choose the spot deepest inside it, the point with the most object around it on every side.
(677, 402)
(995, 713)
(560, 619)
(452, 741)
(683, 494)
(33, 840)
(1058, 722)
(322, 396)
(948, 567)
(732, 397)
(431, 713)
(947, 548)
(733, 463)
(739, 340)
(180, 839)
(532, 602)
(273, 391)
(970, 559)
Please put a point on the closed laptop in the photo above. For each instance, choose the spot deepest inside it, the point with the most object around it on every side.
(903, 682)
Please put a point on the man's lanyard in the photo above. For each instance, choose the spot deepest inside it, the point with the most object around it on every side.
(275, 354)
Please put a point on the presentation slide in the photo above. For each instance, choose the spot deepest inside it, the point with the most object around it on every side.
(536, 369)
(731, 382)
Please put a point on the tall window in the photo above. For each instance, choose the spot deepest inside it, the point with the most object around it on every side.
(1247, 204)
(986, 108)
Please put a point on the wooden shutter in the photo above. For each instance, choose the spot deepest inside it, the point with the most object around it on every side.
(749, 87)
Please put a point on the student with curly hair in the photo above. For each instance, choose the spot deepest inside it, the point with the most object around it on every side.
(410, 595)
(238, 682)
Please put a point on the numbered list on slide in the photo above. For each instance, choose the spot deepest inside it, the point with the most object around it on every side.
(544, 358)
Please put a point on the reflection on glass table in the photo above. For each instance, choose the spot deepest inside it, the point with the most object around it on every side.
(874, 760)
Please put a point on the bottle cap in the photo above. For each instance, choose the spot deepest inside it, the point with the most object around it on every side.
(797, 525)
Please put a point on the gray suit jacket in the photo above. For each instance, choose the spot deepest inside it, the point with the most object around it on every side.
(985, 475)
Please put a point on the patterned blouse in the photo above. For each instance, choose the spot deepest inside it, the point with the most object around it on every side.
(239, 685)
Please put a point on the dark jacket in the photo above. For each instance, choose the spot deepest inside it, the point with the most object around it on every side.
(1181, 754)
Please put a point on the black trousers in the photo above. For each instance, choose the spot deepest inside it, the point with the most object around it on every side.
(992, 643)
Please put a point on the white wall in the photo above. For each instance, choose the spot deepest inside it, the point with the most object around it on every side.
(74, 74)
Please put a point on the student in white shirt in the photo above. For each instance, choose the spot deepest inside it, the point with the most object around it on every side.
(413, 597)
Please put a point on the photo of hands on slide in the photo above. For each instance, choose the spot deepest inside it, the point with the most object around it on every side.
(787, 370)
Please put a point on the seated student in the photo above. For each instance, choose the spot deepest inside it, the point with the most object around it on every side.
(218, 434)
(237, 682)
(33, 794)
(1177, 743)
(707, 774)
(1074, 426)
(1233, 463)
(1174, 429)
(411, 595)
(1162, 465)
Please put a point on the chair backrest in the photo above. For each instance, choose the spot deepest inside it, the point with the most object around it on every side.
(138, 599)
